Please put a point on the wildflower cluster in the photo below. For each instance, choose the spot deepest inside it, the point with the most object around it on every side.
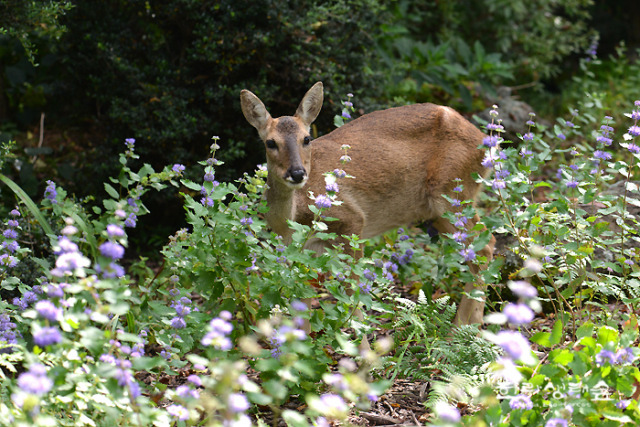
(32, 384)
(112, 251)
(8, 334)
(633, 131)
(460, 222)
(603, 141)
(282, 334)
(70, 261)
(130, 148)
(347, 111)
(398, 256)
(9, 246)
(494, 157)
(218, 332)
(527, 138)
(183, 308)
(325, 201)
(210, 183)
(119, 358)
(50, 192)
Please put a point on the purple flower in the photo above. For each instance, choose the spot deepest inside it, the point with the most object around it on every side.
(603, 155)
(111, 250)
(131, 221)
(10, 233)
(48, 310)
(47, 336)
(111, 271)
(129, 142)
(494, 127)
(460, 236)
(114, 230)
(8, 260)
(622, 404)
(333, 402)
(178, 411)
(514, 344)
(490, 140)
(35, 380)
(556, 422)
(332, 187)
(518, 314)
(604, 140)
(339, 173)
(468, 254)
(561, 136)
(365, 287)
(209, 177)
(498, 184)
(369, 275)
(50, 192)
(237, 403)
(523, 289)
(489, 161)
(524, 152)
(299, 306)
(346, 114)
(634, 130)
(246, 221)
(528, 137)
(625, 356)
(178, 168)
(178, 323)
(633, 147)
(604, 357)
(323, 202)
(521, 401)
(447, 413)
(572, 184)
(68, 263)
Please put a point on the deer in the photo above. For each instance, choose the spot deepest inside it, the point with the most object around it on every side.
(404, 159)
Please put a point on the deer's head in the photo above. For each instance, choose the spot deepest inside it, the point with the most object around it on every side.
(286, 139)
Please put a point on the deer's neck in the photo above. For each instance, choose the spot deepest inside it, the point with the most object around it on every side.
(280, 200)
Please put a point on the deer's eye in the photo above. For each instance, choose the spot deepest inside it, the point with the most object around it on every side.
(306, 141)
(271, 144)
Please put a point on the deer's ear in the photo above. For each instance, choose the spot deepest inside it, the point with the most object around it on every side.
(311, 104)
(254, 111)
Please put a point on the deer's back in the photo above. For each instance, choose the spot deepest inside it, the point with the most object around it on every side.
(403, 159)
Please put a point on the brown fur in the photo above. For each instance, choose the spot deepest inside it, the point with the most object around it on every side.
(403, 160)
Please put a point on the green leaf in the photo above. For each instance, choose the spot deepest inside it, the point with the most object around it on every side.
(606, 335)
(556, 333)
(294, 418)
(111, 191)
(259, 398)
(585, 330)
(542, 338)
(29, 204)
(275, 389)
(563, 357)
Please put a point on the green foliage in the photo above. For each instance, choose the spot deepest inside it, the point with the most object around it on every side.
(27, 21)
(176, 68)
(465, 47)
(604, 86)
(429, 348)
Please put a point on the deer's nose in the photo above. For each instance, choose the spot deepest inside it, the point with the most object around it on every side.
(297, 175)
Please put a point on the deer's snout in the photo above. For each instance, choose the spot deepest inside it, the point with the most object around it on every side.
(297, 175)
